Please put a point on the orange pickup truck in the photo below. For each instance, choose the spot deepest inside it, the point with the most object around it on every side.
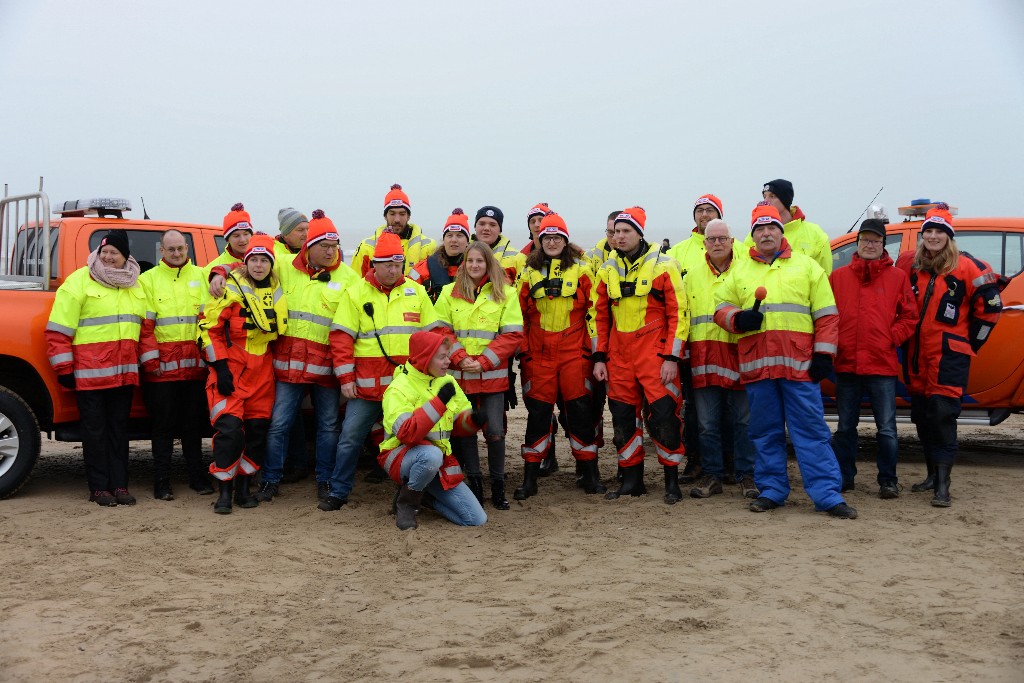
(37, 253)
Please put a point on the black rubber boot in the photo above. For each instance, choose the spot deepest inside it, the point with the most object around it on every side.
(406, 506)
(243, 497)
(475, 482)
(590, 477)
(222, 506)
(929, 483)
(162, 489)
(498, 499)
(941, 498)
(529, 487)
(672, 492)
(579, 474)
(632, 483)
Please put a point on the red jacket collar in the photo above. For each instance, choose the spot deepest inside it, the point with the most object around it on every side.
(784, 252)
(371, 277)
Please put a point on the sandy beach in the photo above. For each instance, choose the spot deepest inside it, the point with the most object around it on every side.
(563, 586)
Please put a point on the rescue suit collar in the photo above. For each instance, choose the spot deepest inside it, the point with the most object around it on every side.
(641, 249)
(783, 252)
(371, 277)
(291, 250)
(301, 264)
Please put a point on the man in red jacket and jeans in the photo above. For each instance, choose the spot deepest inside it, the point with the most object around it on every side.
(877, 314)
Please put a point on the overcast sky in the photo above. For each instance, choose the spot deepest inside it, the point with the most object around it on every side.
(590, 106)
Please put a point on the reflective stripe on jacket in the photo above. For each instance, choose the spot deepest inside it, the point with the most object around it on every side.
(397, 314)
(958, 312)
(416, 248)
(640, 298)
(414, 415)
(93, 331)
(877, 314)
(170, 333)
(486, 331)
(557, 310)
(714, 359)
(800, 315)
(303, 355)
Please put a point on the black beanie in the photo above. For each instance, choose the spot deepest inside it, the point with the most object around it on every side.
(118, 239)
(490, 212)
(783, 189)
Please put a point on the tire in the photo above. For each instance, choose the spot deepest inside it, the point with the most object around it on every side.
(19, 442)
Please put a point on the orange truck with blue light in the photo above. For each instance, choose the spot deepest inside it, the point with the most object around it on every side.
(38, 250)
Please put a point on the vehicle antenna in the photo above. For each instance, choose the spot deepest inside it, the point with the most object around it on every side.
(145, 216)
(865, 208)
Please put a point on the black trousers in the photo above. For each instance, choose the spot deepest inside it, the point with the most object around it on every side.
(935, 418)
(104, 424)
(177, 409)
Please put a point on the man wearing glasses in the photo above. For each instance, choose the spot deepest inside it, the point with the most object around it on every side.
(877, 314)
(715, 368)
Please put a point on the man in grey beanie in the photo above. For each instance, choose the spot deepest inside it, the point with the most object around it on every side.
(294, 226)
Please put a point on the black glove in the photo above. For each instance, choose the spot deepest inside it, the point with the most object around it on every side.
(67, 381)
(749, 320)
(479, 418)
(821, 367)
(446, 392)
(225, 382)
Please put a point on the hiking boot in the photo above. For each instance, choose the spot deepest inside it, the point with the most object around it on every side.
(762, 504)
(692, 471)
(889, 490)
(122, 497)
(103, 498)
(323, 489)
(748, 487)
(706, 487)
(266, 492)
(331, 504)
(843, 511)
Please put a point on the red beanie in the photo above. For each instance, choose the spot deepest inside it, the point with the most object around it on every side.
(396, 199)
(553, 224)
(764, 213)
(939, 216)
(260, 244)
(634, 216)
(541, 209)
(321, 228)
(708, 199)
(389, 248)
(422, 347)
(459, 222)
(237, 219)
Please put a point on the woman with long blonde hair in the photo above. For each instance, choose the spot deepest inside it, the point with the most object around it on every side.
(958, 296)
(482, 310)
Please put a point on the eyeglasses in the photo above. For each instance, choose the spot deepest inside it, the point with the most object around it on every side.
(872, 243)
(718, 240)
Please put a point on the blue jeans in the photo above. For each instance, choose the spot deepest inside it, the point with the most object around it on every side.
(776, 404)
(881, 392)
(287, 403)
(419, 468)
(360, 415)
(710, 402)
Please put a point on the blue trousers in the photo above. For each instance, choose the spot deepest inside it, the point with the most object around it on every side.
(360, 415)
(287, 404)
(711, 403)
(881, 391)
(776, 404)
(419, 468)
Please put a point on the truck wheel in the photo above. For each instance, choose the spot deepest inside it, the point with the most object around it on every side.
(19, 442)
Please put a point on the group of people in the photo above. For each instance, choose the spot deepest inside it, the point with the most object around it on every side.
(715, 345)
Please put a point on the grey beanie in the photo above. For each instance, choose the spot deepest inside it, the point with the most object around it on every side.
(289, 219)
